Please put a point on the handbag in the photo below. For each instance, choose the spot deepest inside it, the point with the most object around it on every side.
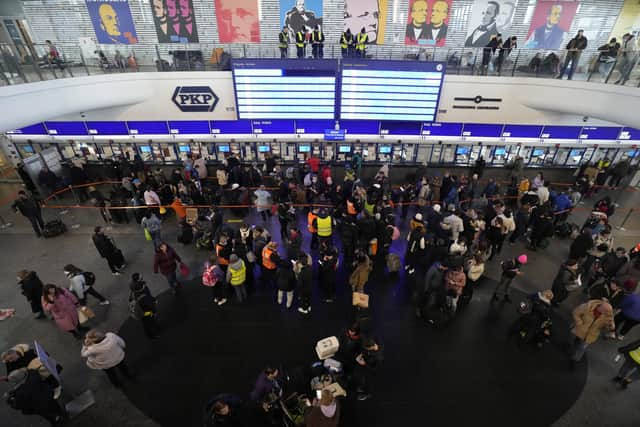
(147, 235)
(85, 314)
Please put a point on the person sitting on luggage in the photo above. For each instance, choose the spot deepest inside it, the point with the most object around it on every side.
(225, 410)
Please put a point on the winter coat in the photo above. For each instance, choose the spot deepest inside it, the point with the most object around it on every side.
(106, 354)
(201, 166)
(263, 200)
(316, 418)
(581, 246)
(434, 279)
(166, 262)
(78, 285)
(455, 225)
(562, 283)
(104, 245)
(631, 307)
(31, 286)
(33, 396)
(286, 280)
(360, 275)
(63, 309)
(305, 279)
(28, 207)
(587, 327)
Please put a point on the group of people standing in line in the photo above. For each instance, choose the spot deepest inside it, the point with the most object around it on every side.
(352, 45)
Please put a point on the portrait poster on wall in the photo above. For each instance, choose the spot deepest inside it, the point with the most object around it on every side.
(112, 21)
(238, 21)
(628, 21)
(489, 18)
(427, 22)
(368, 14)
(175, 21)
(550, 23)
(296, 14)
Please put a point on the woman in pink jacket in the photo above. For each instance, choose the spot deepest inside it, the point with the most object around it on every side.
(63, 306)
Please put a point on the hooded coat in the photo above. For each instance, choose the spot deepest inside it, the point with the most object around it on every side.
(106, 354)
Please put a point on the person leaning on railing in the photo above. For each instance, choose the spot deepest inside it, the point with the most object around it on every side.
(628, 57)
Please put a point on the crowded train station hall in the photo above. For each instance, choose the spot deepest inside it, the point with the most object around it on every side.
(320, 213)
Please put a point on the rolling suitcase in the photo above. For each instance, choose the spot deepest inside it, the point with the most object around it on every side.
(54, 228)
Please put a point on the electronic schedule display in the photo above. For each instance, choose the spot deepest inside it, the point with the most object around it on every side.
(390, 90)
(285, 89)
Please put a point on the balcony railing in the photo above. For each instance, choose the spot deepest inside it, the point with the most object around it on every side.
(34, 64)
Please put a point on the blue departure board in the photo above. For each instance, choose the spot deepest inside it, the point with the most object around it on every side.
(482, 130)
(66, 128)
(334, 135)
(148, 128)
(360, 127)
(600, 133)
(390, 90)
(561, 132)
(285, 89)
(314, 126)
(521, 131)
(107, 128)
(442, 129)
(400, 128)
(189, 127)
(629, 134)
(37, 129)
(273, 126)
(231, 127)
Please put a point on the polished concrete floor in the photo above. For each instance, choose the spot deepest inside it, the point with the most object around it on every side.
(502, 386)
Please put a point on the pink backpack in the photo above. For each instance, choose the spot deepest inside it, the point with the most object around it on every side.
(209, 276)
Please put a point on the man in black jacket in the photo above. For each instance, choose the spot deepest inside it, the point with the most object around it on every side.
(29, 207)
(31, 287)
(574, 49)
(368, 362)
(145, 304)
(33, 395)
(108, 250)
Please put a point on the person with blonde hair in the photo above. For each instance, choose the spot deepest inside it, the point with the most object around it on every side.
(324, 412)
(105, 352)
(590, 319)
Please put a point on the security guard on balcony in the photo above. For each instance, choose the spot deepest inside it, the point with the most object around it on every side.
(283, 38)
(346, 43)
(361, 43)
(317, 43)
(301, 42)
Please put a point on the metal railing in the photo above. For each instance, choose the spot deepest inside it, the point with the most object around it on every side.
(23, 65)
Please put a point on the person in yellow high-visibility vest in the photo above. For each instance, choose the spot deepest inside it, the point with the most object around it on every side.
(283, 39)
(317, 43)
(324, 224)
(236, 276)
(631, 354)
(361, 43)
(346, 43)
(301, 42)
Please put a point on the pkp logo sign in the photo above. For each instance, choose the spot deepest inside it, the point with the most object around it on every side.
(195, 98)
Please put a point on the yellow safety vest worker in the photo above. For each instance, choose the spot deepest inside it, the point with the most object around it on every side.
(266, 259)
(284, 39)
(238, 276)
(345, 41)
(361, 40)
(317, 36)
(635, 355)
(369, 208)
(300, 39)
(324, 226)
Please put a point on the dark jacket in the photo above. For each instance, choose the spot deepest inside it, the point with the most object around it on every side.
(236, 416)
(104, 245)
(31, 287)
(565, 277)
(27, 207)
(315, 418)
(611, 264)
(305, 279)
(579, 43)
(262, 388)
(631, 307)
(141, 293)
(434, 278)
(33, 396)
(286, 280)
(581, 246)
(166, 262)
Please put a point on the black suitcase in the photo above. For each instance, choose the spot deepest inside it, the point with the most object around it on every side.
(54, 228)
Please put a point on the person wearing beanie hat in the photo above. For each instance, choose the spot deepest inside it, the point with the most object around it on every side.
(510, 269)
(590, 319)
(143, 305)
(237, 276)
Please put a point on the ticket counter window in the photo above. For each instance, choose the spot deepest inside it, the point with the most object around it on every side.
(551, 154)
(304, 151)
(67, 150)
(262, 149)
(344, 152)
(289, 154)
(328, 154)
(235, 149)
(25, 150)
(575, 157)
(561, 156)
(537, 155)
(88, 151)
(184, 151)
(223, 151)
(476, 151)
(499, 156)
(436, 153)
(462, 155)
(448, 154)
(129, 152)
(409, 152)
(384, 153)
(196, 148)
(146, 153)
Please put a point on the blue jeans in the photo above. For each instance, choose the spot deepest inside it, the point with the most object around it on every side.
(156, 238)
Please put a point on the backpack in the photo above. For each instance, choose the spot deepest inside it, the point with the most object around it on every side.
(209, 276)
(89, 278)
